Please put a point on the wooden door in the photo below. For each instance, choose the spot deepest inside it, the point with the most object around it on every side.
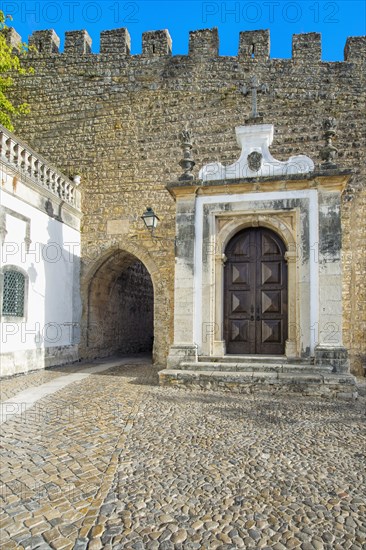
(255, 293)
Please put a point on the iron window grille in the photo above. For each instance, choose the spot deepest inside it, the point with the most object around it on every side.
(13, 294)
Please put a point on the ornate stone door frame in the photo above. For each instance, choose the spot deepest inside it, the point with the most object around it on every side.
(293, 215)
(302, 206)
(285, 224)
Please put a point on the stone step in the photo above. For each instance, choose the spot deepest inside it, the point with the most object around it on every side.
(247, 359)
(209, 366)
(311, 384)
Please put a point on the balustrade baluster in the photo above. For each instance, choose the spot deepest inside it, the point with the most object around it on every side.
(52, 177)
(47, 177)
(9, 149)
(42, 175)
(27, 163)
(16, 148)
(65, 190)
(30, 165)
(23, 159)
(58, 186)
(35, 171)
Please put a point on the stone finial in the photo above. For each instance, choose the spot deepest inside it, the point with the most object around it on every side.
(329, 153)
(187, 162)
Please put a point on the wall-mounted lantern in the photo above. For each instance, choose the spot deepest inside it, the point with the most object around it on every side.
(151, 222)
(150, 219)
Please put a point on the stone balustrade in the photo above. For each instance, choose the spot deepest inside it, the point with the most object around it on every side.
(23, 159)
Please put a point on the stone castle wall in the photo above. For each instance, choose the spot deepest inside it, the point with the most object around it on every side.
(116, 118)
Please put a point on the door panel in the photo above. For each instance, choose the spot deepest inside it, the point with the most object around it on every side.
(271, 301)
(271, 272)
(255, 294)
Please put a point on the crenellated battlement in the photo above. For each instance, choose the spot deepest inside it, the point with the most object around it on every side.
(254, 46)
(45, 42)
(77, 42)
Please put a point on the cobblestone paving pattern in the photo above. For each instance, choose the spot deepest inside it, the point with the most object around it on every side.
(15, 384)
(118, 462)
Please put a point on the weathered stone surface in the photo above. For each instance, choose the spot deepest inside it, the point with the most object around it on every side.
(117, 119)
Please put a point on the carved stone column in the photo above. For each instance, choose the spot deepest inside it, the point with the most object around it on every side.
(183, 347)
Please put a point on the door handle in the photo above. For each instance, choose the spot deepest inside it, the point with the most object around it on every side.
(258, 316)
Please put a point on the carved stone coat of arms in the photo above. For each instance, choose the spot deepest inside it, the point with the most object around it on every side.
(255, 161)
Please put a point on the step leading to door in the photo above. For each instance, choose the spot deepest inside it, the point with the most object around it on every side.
(249, 378)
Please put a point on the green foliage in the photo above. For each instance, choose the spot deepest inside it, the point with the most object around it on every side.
(10, 63)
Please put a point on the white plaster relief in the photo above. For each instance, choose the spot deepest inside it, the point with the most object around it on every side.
(255, 159)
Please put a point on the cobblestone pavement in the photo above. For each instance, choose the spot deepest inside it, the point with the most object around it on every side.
(115, 461)
(13, 385)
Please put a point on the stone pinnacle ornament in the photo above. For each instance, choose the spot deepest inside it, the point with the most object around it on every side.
(187, 162)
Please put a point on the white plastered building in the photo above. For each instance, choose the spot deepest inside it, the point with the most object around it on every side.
(40, 261)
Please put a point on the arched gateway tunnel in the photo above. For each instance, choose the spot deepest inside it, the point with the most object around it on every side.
(120, 307)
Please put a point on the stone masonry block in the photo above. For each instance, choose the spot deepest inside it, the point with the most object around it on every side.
(117, 41)
(307, 47)
(254, 45)
(355, 49)
(336, 357)
(156, 43)
(204, 43)
(77, 42)
(45, 41)
(13, 39)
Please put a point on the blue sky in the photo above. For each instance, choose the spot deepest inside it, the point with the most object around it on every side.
(335, 20)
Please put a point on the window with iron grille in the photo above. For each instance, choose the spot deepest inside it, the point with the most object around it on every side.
(13, 294)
